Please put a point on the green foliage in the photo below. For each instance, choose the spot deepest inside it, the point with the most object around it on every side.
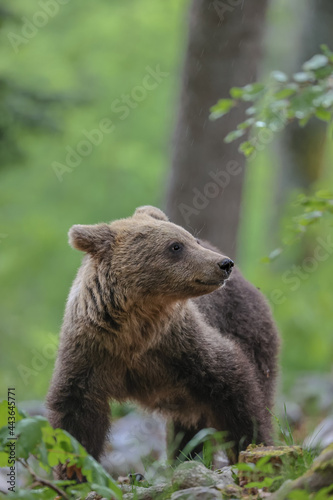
(51, 447)
(311, 208)
(275, 104)
(323, 494)
(271, 475)
(211, 440)
(314, 207)
(284, 429)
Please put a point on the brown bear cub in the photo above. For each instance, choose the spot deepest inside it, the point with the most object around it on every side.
(153, 317)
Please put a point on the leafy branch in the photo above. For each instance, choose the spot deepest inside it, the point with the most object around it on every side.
(41, 481)
(282, 100)
(37, 442)
(272, 105)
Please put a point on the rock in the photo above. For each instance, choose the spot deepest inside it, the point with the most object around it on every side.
(277, 454)
(190, 474)
(322, 436)
(314, 392)
(34, 407)
(151, 493)
(225, 477)
(133, 437)
(94, 496)
(319, 476)
(197, 493)
(233, 492)
(159, 472)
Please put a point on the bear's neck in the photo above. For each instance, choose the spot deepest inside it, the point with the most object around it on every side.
(128, 329)
(147, 322)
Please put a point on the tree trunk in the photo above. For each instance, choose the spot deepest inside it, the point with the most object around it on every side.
(205, 186)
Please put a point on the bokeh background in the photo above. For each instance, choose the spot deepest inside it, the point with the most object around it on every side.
(64, 80)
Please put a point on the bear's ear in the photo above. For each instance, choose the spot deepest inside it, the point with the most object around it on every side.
(91, 239)
(154, 212)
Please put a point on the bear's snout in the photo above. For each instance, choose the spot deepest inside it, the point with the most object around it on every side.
(226, 265)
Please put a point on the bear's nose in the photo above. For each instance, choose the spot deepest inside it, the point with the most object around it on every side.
(226, 265)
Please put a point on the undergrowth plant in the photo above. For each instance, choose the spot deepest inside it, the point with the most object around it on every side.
(38, 446)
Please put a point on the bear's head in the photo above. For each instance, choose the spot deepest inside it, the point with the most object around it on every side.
(147, 256)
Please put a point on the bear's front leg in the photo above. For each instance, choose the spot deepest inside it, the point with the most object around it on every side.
(219, 377)
(77, 400)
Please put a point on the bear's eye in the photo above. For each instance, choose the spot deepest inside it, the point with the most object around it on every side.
(176, 247)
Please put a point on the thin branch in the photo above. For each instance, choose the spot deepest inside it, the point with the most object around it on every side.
(42, 481)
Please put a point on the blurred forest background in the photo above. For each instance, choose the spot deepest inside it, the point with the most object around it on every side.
(63, 81)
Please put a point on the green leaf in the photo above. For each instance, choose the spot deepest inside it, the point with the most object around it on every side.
(264, 465)
(298, 495)
(19, 414)
(245, 467)
(37, 494)
(316, 62)
(260, 124)
(279, 76)
(222, 107)
(254, 88)
(327, 99)
(265, 260)
(95, 474)
(309, 218)
(106, 492)
(327, 52)
(236, 92)
(274, 254)
(29, 431)
(269, 258)
(3, 459)
(304, 121)
(248, 93)
(265, 483)
(286, 92)
(232, 136)
(302, 77)
(323, 114)
(79, 491)
(326, 194)
(247, 148)
(251, 110)
(246, 124)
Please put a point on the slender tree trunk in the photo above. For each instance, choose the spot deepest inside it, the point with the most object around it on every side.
(205, 186)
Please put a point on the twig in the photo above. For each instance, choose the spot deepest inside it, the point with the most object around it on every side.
(44, 482)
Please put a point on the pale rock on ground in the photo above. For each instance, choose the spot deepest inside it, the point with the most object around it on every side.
(132, 438)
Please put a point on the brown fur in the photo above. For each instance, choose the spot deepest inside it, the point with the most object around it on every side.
(154, 325)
